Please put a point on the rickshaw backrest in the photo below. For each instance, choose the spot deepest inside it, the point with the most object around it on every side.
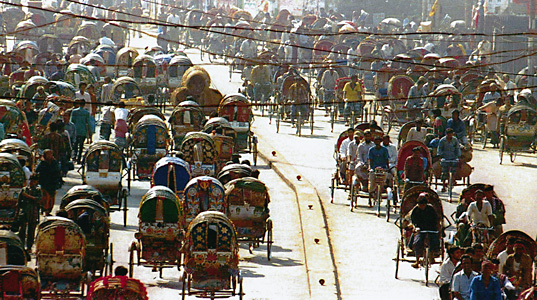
(171, 172)
(160, 204)
(203, 193)
(11, 284)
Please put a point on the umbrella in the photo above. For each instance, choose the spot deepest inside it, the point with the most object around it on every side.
(391, 21)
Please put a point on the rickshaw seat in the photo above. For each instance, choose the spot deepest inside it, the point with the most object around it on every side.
(11, 287)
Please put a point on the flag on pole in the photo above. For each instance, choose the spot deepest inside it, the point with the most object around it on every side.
(434, 8)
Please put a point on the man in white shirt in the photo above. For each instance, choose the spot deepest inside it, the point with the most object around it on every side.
(446, 271)
(510, 86)
(82, 94)
(480, 211)
(417, 133)
(392, 152)
(343, 148)
(460, 286)
(173, 31)
(328, 84)
(106, 89)
(362, 157)
(502, 256)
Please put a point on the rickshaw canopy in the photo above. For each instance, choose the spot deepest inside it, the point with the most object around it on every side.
(180, 169)
(160, 204)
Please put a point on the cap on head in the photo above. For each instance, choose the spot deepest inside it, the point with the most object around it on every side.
(449, 130)
(416, 149)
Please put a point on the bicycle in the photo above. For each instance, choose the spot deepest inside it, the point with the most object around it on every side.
(376, 189)
(451, 165)
(480, 233)
(428, 257)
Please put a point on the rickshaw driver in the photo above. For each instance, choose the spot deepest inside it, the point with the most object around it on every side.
(449, 152)
(424, 218)
(343, 148)
(458, 127)
(352, 95)
(379, 158)
(361, 160)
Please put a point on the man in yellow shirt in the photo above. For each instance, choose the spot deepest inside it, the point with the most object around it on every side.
(352, 95)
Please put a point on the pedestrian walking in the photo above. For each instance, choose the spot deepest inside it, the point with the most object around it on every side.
(49, 179)
(81, 118)
(29, 204)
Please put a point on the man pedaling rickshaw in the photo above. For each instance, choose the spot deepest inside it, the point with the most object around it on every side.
(379, 161)
(328, 85)
(426, 222)
(449, 151)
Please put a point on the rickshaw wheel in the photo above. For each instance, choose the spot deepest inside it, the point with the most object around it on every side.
(233, 285)
(240, 288)
(379, 199)
(131, 259)
(332, 187)
(111, 260)
(512, 155)
(351, 194)
(502, 145)
(254, 150)
(183, 289)
(299, 125)
(269, 238)
(427, 264)
(311, 120)
(278, 116)
(388, 209)
(397, 256)
(123, 199)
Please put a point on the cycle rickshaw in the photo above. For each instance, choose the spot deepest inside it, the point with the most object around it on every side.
(88, 30)
(337, 106)
(124, 60)
(211, 258)
(99, 258)
(103, 168)
(238, 111)
(247, 207)
(186, 117)
(150, 142)
(125, 88)
(84, 191)
(171, 172)
(147, 74)
(20, 149)
(176, 68)
(12, 180)
(404, 251)
(203, 193)
(30, 87)
(234, 171)
(14, 249)
(298, 109)
(341, 178)
(200, 152)
(60, 252)
(117, 288)
(404, 152)
(118, 34)
(518, 131)
(137, 113)
(79, 45)
(77, 73)
(160, 231)
(394, 112)
(225, 142)
(19, 282)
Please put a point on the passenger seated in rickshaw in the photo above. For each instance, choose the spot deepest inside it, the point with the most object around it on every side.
(424, 218)
(415, 165)
(392, 153)
(518, 267)
(344, 156)
(360, 160)
(378, 158)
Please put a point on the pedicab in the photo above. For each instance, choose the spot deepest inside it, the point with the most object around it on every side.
(20, 149)
(27, 49)
(65, 24)
(203, 193)
(108, 53)
(126, 89)
(171, 172)
(12, 180)
(138, 113)
(29, 89)
(186, 117)
(234, 171)
(322, 49)
(238, 111)
(117, 288)
(247, 207)
(77, 73)
(13, 249)
(84, 191)
(147, 74)
(447, 98)
(297, 107)
(26, 30)
(79, 45)
(14, 120)
(394, 111)
(224, 137)
(518, 131)
(404, 249)
(93, 60)
(339, 103)
(341, 178)
(19, 282)
(199, 151)
(176, 68)
(103, 168)
(89, 30)
(12, 15)
(405, 129)
(160, 231)
(404, 152)
(150, 142)
(94, 221)
(51, 44)
(211, 258)
(124, 60)
(116, 33)
(60, 251)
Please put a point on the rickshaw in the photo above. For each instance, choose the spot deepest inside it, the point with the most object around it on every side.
(65, 89)
(337, 106)
(203, 193)
(103, 168)
(117, 288)
(77, 73)
(405, 129)
(404, 152)
(447, 98)
(12, 15)
(518, 131)
(27, 49)
(96, 61)
(211, 258)
(171, 172)
(116, 33)
(108, 53)
(234, 171)
(199, 151)
(138, 113)
(238, 111)
(176, 68)
(50, 43)
(14, 253)
(150, 142)
(299, 109)
(125, 88)
(60, 251)
(124, 60)
(186, 117)
(26, 30)
(394, 111)
(84, 191)
(160, 231)
(79, 45)
(340, 181)
(224, 137)
(29, 89)
(147, 74)
(322, 49)
(99, 256)
(19, 282)
(12, 180)
(19, 149)
(13, 119)
(88, 30)
(65, 24)
(247, 207)
(404, 251)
